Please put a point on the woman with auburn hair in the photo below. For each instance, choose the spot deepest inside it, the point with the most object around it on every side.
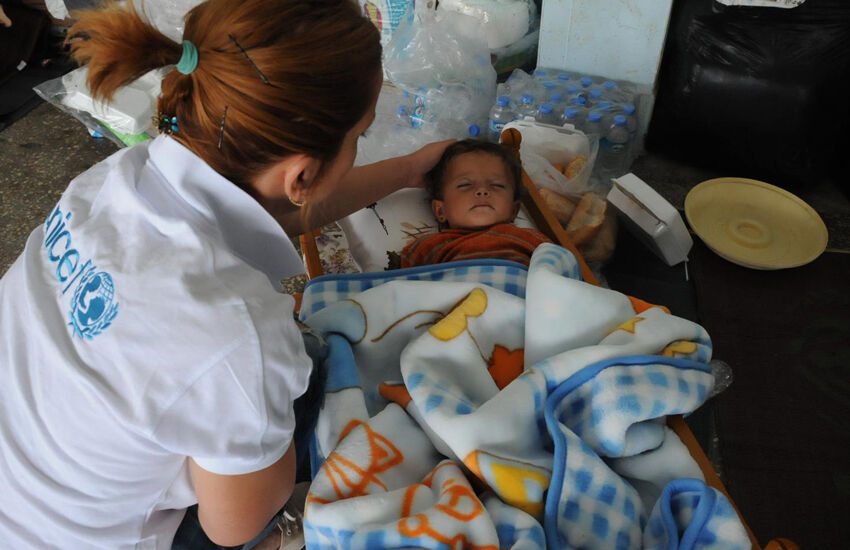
(149, 360)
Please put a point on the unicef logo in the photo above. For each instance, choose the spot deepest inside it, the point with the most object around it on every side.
(92, 308)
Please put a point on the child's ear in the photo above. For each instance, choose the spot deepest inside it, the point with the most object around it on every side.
(439, 210)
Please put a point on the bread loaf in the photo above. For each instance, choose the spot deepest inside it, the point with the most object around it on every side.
(563, 207)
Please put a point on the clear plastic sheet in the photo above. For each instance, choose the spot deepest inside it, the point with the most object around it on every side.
(443, 61)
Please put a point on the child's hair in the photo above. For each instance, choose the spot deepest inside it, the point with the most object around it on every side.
(273, 78)
(434, 179)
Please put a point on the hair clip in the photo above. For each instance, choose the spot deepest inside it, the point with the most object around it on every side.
(167, 125)
(251, 61)
(221, 126)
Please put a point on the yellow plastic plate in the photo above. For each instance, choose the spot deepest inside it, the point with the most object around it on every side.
(755, 224)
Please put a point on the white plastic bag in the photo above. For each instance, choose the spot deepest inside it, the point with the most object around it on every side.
(505, 22)
(166, 15)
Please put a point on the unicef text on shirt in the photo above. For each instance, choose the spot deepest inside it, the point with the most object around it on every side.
(93, 306)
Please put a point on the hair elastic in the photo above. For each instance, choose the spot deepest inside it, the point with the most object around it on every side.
(189, 60)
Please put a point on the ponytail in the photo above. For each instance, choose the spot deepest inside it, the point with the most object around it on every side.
(118, 46)
(273, 77)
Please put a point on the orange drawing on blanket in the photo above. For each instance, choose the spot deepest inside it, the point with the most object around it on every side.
(505, 365)
(453, 324)
(457, 500)
(629, 326)
(351, 480)
(682, 347)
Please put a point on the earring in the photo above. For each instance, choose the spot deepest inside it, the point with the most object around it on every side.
(295, 202)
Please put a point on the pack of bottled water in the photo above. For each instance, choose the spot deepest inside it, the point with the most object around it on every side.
(589, 103)
(446, 111)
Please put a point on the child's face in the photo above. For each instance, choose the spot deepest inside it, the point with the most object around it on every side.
(478, 192)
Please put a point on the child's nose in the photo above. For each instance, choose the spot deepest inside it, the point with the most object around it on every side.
(482, 191)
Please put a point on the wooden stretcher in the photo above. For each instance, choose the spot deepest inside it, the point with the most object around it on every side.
(548, 224)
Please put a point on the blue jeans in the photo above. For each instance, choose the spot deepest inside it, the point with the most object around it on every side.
(190, 535)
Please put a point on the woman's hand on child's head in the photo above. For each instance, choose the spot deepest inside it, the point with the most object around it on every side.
(421, 161)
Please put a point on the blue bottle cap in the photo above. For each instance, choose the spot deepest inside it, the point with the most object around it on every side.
(604, 105)
(549, 85)
(545, 109)
(405, 94)
(609, 85)
(629, 109)
(402, 110)
(594, 116)
(619, 120)
(557, 97)
(579, 100)
(474, 130)
(539, 72)
(527, 99)
(595, 93)
(572, 89)
(570, 112)
(586, 81)
(503, 101)
(563, 77)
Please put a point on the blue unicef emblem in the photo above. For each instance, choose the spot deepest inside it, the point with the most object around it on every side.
(92, 308)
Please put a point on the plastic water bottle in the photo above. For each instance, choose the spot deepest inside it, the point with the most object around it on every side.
(500, 115)
(527, 107)
(547, 115)
(512, 87)
(606, 108)
(571, 116)
(557, 101)
(540, 75)
(403, 114)
(614, 149)
(594, 124)
(549, 88)
(595, 95)
(631, 119)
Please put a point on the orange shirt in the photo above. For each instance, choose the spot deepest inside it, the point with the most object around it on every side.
(502, 241)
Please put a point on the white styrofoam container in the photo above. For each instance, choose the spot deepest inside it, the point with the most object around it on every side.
(651, 218)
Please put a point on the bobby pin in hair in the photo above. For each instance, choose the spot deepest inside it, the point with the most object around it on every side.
(251, 61)
(221, 126)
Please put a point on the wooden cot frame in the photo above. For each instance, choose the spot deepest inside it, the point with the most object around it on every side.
(549, 225)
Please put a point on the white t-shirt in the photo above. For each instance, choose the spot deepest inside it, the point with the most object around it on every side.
(142, 324)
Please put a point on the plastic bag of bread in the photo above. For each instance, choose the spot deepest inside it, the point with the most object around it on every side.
(588, 222)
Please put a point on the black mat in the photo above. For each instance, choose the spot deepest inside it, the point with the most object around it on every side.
(46, 59)
(784, 424)
(636, 271)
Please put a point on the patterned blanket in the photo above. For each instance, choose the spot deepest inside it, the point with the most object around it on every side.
(459, 415)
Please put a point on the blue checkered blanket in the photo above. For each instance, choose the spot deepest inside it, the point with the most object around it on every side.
(461, 415)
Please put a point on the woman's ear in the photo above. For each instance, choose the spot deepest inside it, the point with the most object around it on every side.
(290, 177)
(439, 210)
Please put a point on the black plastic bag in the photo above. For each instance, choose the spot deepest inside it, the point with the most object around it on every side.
(759, 92)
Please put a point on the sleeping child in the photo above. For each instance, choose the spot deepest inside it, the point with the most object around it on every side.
(475, 190)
